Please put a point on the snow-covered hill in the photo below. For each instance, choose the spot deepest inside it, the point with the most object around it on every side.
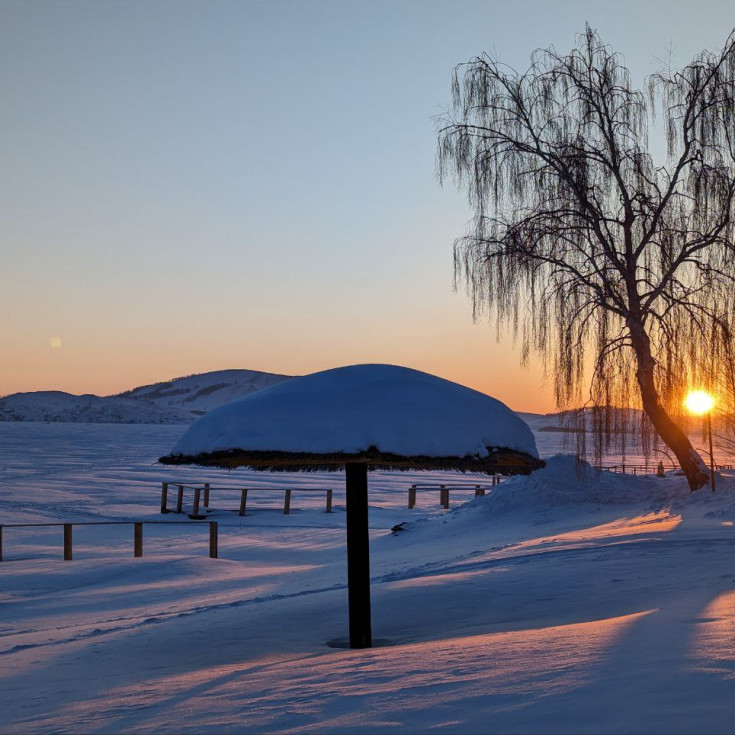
(198, 394)
(60, 406)
(177, 401)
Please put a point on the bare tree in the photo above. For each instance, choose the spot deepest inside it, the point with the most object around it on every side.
(596, 256)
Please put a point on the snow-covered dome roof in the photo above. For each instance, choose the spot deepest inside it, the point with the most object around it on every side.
(361, 408)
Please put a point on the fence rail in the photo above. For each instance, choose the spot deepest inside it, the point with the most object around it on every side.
(202, 495)
(647, 469)
(633, 469)
(137, 533)
(444, 491)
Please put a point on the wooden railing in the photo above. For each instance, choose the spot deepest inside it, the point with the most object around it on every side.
(201, 496)
(647, 469)
(444, 491)
(137, 533)
(633, 469)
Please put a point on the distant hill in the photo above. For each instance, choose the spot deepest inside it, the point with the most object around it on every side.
(198, 394)
(545, 422)
(178, 401)
(566, 422)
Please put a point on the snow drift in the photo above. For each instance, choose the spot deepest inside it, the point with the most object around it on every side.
(567, 481)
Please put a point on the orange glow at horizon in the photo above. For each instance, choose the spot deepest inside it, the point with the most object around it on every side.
(112, 372)
(107, 362)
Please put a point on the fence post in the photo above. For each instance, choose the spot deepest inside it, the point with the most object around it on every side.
(287, 502)
(206, 495)
(479, 491)
(411, 496)
(67, 542)
(329, 510)
(243, 500)
(197, 494)
(137, 539)
(444, 496)
(213, 551)
(180, 499)
(164, 497)
(1, 543)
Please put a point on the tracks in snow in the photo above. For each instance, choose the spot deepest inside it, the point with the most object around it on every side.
(499, 556)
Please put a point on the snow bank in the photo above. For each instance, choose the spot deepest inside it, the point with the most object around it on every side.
(350, 409)
(565, 481)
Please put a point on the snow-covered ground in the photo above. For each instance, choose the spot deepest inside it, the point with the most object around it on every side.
(562, 602)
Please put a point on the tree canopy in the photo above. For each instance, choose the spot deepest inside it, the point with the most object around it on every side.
(611, 266)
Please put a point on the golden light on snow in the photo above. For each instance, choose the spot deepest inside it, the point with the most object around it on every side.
(55, 342)
(699, 402)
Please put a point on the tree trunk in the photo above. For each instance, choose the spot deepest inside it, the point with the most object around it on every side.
(675, 439)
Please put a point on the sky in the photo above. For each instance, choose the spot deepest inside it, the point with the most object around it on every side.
(194, 186)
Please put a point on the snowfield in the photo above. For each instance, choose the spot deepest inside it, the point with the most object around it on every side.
(564, 602)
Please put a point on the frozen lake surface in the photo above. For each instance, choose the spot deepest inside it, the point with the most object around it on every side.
(557, 603)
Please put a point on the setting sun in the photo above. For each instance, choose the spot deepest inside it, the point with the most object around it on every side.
(699, 402)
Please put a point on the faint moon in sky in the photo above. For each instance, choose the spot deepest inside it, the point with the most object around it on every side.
(56, 341)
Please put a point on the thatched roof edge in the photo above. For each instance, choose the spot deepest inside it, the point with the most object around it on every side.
(498, 461)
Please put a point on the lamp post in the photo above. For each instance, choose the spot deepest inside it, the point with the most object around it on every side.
(708, 419)
(701, 403)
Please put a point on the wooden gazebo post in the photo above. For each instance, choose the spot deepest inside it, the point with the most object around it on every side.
(358, 554)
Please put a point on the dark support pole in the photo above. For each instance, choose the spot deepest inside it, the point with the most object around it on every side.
(137, 539)
(213, 551)
(67, 542)
(711, 453)
(358, 555)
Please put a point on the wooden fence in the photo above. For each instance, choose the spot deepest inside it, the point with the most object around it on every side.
(444, 491)
(201, 496)
(633, 469)
(648, 469)
(137, 533)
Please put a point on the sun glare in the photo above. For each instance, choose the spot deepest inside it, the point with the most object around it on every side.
(699, 402)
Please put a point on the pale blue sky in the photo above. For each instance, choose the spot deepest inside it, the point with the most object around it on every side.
(191, 186)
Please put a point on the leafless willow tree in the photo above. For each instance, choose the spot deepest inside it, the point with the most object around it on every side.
(618, 271)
